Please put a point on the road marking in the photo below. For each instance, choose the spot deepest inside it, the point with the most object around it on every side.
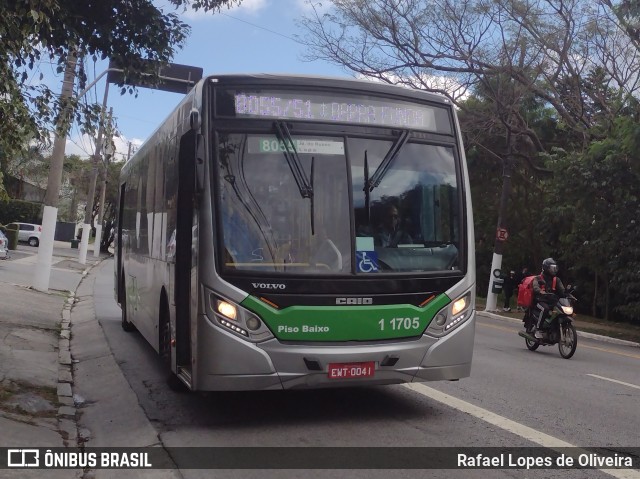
(606, 350)
(629, 355)
(501, 328)
(614, 381)
(526, 432)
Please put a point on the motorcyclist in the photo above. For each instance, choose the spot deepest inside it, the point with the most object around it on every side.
(545, 283)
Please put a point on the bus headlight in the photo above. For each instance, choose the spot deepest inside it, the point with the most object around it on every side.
(237, 320)
(451, 316)
(460, 305)
(227, 309)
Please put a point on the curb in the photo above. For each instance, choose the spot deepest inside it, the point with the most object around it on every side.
(101, 392)
(597, 337)
(68, 411)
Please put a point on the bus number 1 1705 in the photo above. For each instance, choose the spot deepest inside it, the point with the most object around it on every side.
(399, 324)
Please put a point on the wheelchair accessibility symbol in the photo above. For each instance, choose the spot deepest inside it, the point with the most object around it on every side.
(367, 261)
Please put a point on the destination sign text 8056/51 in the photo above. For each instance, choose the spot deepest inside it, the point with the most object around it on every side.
(335, 108)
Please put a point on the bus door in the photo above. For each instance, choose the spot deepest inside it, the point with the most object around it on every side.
(185, 285)
(119, 246)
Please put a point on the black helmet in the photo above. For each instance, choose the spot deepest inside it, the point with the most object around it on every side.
(550, 266)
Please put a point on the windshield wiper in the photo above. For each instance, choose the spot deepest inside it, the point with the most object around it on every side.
(311, 202)
(293, 160)
(305, 186)
(381, 171)
(367, 191)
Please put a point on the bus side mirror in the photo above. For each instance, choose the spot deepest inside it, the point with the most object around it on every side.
(194, 119)
(195, 122)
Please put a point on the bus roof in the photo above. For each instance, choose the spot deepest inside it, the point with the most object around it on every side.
(315, 81)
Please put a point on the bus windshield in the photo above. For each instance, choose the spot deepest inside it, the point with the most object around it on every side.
(407, 222)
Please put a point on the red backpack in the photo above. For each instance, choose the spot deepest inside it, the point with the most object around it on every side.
(525, 290)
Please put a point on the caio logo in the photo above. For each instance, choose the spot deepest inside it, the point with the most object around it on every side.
(354, 301)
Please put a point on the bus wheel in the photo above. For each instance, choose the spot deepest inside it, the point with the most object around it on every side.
(173, 381)
(127, 325)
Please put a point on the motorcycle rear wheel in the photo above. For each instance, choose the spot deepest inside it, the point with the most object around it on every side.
(568, 347)
(531, 345)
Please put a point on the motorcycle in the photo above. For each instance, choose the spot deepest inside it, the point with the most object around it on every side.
(557, 328)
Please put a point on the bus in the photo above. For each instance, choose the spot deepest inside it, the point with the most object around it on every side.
(280, 232)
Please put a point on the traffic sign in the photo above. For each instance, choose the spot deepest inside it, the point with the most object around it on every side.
(502, 234)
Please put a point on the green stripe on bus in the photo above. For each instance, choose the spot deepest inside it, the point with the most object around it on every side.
(347, 323)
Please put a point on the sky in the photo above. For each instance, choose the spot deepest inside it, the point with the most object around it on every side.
(255, 37)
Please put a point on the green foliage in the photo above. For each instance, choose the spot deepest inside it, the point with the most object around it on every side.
(593, 214)
(584, 214)
(3, 191)
(22, 211)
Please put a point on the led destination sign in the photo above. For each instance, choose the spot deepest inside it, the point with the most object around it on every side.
(338, 108)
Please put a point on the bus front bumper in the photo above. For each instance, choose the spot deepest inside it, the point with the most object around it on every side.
(295, 366)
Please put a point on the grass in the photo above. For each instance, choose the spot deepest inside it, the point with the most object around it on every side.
(5, 393)
(583, 322)
(10, 389)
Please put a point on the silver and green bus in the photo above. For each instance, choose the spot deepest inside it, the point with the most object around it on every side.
(281, 232)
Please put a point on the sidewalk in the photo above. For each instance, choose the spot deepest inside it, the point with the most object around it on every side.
(36, 404)
(60, 385)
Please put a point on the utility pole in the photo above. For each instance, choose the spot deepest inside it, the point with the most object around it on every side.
(50, 213)
(86, 227)
(105, 173)
(501, 236)
(177, 78)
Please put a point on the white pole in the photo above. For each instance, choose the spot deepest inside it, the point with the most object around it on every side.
(96, 243)
(50, 213)
(45, 249)
(84, 243)
(492, 298)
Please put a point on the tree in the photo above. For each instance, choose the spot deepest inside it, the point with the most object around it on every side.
(593, 212)
(34, 30)
(541, 48)
(574, 58)
(526, 199)
(76, 172)
(110, 206)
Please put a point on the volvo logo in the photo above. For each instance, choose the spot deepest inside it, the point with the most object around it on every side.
(269, 285)
(354, 301)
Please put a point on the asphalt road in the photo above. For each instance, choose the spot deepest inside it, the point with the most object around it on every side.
(513, 398)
